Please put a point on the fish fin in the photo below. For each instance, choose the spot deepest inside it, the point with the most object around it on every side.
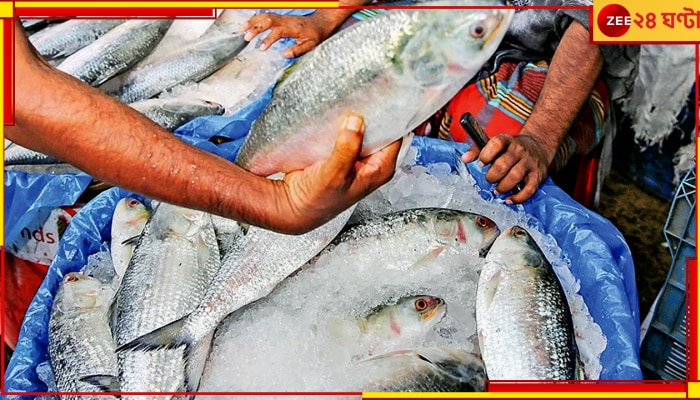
(433, 254)
(131, 241)
(106, 383)
(464, 367)
(395, 353)
(165, 337)
(195, 358)
(490, 288)
(113, 317)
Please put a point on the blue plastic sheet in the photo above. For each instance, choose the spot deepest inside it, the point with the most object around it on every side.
(30, 198)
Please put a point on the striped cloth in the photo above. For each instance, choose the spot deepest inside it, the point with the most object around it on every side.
(502, 102)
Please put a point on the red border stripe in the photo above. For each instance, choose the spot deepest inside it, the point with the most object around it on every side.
(8, 72)
(23, 12)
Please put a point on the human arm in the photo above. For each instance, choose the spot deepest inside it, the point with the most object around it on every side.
(526, 157)
(309, 31)
(63, 117)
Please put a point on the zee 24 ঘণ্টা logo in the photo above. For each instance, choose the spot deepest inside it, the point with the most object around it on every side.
(614, 20)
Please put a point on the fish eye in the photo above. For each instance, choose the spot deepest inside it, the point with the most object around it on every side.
(132, 203)
(71, 278)
(483, 222)
(421, 305)
(477, 31)
(518, 232)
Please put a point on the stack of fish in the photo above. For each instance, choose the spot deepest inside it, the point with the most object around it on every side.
(189, 270)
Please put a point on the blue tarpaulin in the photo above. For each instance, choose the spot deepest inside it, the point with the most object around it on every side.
(600, 258)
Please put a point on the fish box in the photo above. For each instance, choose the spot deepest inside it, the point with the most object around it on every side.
(663, 352)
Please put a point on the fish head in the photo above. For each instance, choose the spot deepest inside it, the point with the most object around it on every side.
(516, 249)
(464, 230)
(175, 221)
(453, 43)
(78, 292)
(130, 212)
(469, 37)
(416, 314)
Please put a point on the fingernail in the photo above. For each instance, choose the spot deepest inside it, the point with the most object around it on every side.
(248, 36)
(509, 202)
(496, 192)
(263, 47)
(481, 163)
(353, 123)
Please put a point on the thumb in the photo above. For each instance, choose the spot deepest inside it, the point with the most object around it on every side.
(348, 144)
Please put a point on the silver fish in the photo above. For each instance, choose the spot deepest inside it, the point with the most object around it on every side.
(64, 39)
(395, 69)
(261, 261)
(115, 51)
(172, 266)
(171, 113)
(130, 216)
(421, 370)
(80, 341)
(523, 319)
(245, 78)
(19, 155)
(191, 64)
(416, 234)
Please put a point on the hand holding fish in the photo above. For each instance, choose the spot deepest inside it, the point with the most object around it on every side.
(328, 187)
(60, 116)
(309, 31)
(514, 159)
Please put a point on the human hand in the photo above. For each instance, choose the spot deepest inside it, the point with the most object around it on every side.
(514, 159)
(326, 188)
(309, 31)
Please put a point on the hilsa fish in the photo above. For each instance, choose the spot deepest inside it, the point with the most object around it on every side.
(80, 340)
(115, 51)
(524, 324)
(395, 69)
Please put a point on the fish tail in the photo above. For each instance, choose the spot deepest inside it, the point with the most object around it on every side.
(169, 336)
(106, 383)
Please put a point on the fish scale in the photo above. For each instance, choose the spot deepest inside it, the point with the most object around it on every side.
(417, 233)
(65, 39)
(116, 51)
(523, 319)
(191, 64)
(171, 268)
(395, 69)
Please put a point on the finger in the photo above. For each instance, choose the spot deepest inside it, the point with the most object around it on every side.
(347, 147)
(256, 25)
(501, 166)
(471, 154)
(375, 170)
(532, 182)
(497, 145)
(300, 49)
(275, 35)
(513, 177)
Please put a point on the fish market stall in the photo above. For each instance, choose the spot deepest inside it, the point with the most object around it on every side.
(408, 290)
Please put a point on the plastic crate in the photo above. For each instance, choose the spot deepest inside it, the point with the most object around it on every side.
(663, 352)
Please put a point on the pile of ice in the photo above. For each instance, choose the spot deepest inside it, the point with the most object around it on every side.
(303, 337)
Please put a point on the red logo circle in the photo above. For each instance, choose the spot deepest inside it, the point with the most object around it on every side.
(614, 20)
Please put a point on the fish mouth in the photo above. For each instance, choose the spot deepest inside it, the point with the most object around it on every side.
(501, 18)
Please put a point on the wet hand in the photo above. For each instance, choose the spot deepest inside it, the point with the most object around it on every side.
(514, 159)
(326, 188)
(309, 31)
